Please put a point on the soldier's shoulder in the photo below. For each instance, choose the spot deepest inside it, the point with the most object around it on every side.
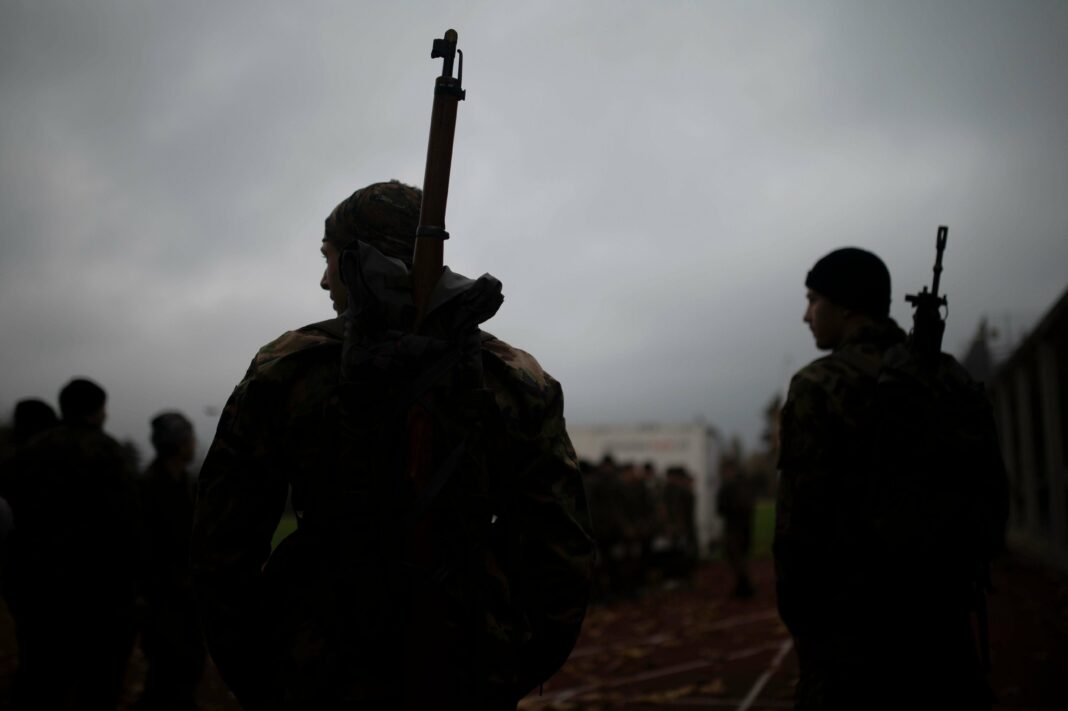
(293, 349)
(515, 364)
(823, 374)
(519, 382)
(75, 441)
(844, 367)
(834, 383)
(952, 372)
(66, 434)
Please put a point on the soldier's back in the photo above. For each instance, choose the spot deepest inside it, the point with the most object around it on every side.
(351, 597)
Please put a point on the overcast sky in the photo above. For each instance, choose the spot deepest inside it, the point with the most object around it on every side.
(650, 181)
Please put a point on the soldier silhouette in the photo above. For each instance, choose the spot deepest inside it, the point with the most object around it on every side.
(466, 592)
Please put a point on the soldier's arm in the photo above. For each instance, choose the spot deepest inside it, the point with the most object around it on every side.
(801, 498)
(241, 496)
(552, 522)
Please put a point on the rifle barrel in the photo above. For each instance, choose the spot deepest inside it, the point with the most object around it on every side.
(428, 258)
(940, 246)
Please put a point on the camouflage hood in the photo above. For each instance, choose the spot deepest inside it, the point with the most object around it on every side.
(381, 354)
(380, 296)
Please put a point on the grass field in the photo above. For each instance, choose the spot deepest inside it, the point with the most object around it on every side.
(287, 525)
(763, 527)
(763, 532)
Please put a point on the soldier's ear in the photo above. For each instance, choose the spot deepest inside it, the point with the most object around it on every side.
(848, 313)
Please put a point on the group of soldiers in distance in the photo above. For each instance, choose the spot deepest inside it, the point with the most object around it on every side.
(95, 553)
(645, 525)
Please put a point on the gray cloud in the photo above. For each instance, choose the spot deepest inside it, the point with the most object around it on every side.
(650, 181)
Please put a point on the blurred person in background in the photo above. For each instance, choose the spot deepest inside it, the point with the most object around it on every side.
(735, 504)
(170, 635)
(74, 559)
(30, 418)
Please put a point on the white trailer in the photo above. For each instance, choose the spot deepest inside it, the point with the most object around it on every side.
(693, 446)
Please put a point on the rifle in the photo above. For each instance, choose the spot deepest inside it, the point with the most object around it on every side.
(430, 237)
(429, 255)
(426, 643)
(925, 340)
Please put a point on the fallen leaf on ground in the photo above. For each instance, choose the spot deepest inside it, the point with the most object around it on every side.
(714, 687)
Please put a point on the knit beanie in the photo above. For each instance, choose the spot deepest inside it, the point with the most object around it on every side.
(853, 278)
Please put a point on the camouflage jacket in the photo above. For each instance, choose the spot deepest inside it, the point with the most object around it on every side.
(324, 620)
(825, 439)
(74, 502)
(890, 504)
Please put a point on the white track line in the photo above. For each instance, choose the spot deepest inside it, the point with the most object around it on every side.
(783, 647)
(657, 639)
(704, 702)
(752, 651)
(740, 620)
(565, 694)
(766, 676)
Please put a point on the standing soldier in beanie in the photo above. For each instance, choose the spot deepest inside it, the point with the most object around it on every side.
(170, 636)
(74, 559)
(876, 624)
(467, 595)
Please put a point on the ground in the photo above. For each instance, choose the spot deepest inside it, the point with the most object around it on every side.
(695, 648)
(691, 647)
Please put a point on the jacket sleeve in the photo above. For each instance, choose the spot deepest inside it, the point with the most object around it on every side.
(800, 541)
(555, 546)
(241, 496)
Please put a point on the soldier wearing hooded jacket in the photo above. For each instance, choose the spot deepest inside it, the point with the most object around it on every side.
(485, 604)
(866, 561)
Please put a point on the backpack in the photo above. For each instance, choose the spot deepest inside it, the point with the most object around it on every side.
(391, 562)
(936, 499)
